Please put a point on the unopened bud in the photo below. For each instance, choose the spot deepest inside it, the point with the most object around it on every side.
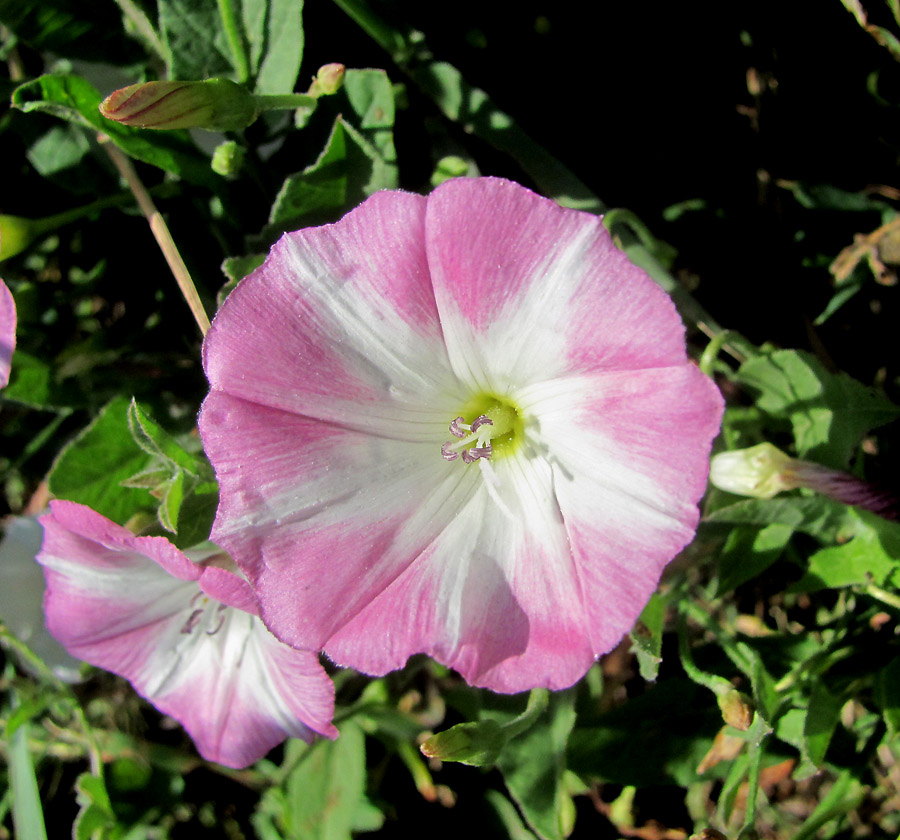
(761, 471)
(16, 234)
(328, 80)
(228, 158)
(469, 743)
(737, 710)
(213, 104)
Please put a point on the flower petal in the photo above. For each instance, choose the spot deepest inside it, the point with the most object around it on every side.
(238, 691)
(496, 595)
(107, 590)
(338, 317)
(307, 521)
(630, 459)
(112, 600)
(528, 290)
(7, 332)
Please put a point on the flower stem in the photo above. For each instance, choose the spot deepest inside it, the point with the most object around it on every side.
(235, 41)
(161, 234)
(712, 350)
(271, 102)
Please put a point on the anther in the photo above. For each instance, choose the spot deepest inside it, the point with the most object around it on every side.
(483, 420)
(476, 452)
(457, 430)
(449, 455)
(193, 621)
(218, 627)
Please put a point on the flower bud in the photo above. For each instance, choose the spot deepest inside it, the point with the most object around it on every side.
(469, 743)
(737, 710)
(328, 80)
(213, 104)
(760, 471)
(16, 234)
(228, 158)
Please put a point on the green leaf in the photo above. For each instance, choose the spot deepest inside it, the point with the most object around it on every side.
(534, 766)
(28, 816)
(748, 552)
(171, 502)
(324, 796)
(237, 268)
(195, 42)
(96, 816)
(872, 556)
(646, 637)
(372, 98)
(196, 515)
(156, 441)
(90, 469)
(320, 188)
(274, 30)
(30, 382)
(887, 695)
(348, 171)
(844, 796)
(829, 413)
(818, 516)
(76, 100)
(62, 147)
(821, 719)
(508, 815)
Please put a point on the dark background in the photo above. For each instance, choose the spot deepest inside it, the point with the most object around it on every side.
(661, 103)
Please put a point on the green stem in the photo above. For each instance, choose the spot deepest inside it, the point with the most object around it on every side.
(235, 40)
(882, 595)
(712, 350)
(716, 684)
(537, 703)
(142, 25)
(758, 733)
(417, 769)
(272, 102)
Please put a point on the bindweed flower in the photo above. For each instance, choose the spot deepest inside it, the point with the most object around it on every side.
(185, 635)
(763, 471)
(462, 425)
(7, 332)
(212, 104)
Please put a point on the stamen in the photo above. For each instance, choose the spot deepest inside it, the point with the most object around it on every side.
(457, 426)
(476, 452)
(218, 627)
(446, 451)
(193, 621)
(483, 420)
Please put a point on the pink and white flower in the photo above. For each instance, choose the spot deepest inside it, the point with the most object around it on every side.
(7, 332)
(186, 636)
(352, 369)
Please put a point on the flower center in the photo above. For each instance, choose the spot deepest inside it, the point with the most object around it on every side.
(495, 430)
(213, 619)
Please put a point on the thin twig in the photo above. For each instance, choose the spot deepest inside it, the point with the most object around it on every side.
(161, 233)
